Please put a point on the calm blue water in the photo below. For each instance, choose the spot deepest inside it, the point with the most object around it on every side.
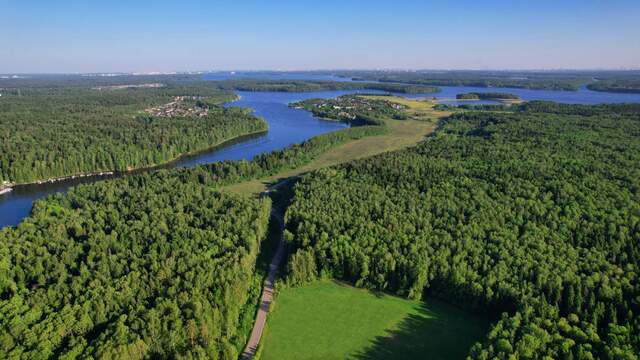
(582, 96)
(288, 126)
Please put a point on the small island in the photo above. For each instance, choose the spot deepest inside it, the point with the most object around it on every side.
(502, 97)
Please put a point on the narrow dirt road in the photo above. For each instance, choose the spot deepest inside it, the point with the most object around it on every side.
(267, 289)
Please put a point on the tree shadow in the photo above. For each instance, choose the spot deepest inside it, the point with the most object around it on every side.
(436, 331)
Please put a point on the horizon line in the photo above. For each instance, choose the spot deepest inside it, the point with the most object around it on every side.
(193, 72)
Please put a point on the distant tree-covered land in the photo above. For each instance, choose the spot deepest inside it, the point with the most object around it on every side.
(309, 86)
(530, 215)
(510, 79)
(56, 128)
(487, 96)
(617, 85)
(147, 266)
(539, 80)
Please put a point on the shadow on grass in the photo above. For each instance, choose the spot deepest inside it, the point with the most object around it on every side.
(434, 332)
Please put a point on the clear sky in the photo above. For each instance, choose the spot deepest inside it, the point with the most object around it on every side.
(115, 35)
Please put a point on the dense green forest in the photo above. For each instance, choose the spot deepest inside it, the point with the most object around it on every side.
(530, 215)
(158, 265)
(56, 128)
(309, 86)
(144, 266)
(487, 96)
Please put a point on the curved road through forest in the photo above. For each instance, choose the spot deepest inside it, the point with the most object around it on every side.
(268, 287)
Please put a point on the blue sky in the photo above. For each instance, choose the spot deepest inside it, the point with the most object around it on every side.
(104, 36)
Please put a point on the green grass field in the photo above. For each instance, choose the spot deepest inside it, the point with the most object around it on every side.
(330, 320)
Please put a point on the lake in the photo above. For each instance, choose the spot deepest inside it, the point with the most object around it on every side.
(286, 126)
(582, 96)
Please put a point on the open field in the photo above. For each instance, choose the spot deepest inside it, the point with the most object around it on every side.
(402, 133)
(331, 320)
(418, 109)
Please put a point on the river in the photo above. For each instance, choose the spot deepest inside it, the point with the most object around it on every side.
(286, 126)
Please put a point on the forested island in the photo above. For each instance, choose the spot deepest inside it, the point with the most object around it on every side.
(528, 215)
(102, 126)
(487, 96)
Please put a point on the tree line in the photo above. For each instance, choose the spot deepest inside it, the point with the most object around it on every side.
(570, 81)
(531, 216)
(606, 81)
(56, 131)
(315, 85)
(487, 96)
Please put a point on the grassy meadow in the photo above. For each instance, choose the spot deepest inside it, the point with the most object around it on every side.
(331, 320)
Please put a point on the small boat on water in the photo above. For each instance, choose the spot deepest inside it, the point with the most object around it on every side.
(5, 191)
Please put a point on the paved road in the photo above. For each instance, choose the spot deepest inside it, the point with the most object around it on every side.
(267, 290)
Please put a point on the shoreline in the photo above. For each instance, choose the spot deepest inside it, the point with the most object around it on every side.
(502, 101)
(115, 173)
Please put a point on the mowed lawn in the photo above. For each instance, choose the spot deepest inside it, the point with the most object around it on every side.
(331, 320)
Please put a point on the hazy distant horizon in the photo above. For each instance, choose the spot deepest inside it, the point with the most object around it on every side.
(185, 72)
(163, 36)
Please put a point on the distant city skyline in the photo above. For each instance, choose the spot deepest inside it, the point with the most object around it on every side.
(83, 37)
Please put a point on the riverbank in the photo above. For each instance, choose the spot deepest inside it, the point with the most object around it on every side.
(70, 177)
(502, 101)
(285, 128)
(422, 122)
(108, 174)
